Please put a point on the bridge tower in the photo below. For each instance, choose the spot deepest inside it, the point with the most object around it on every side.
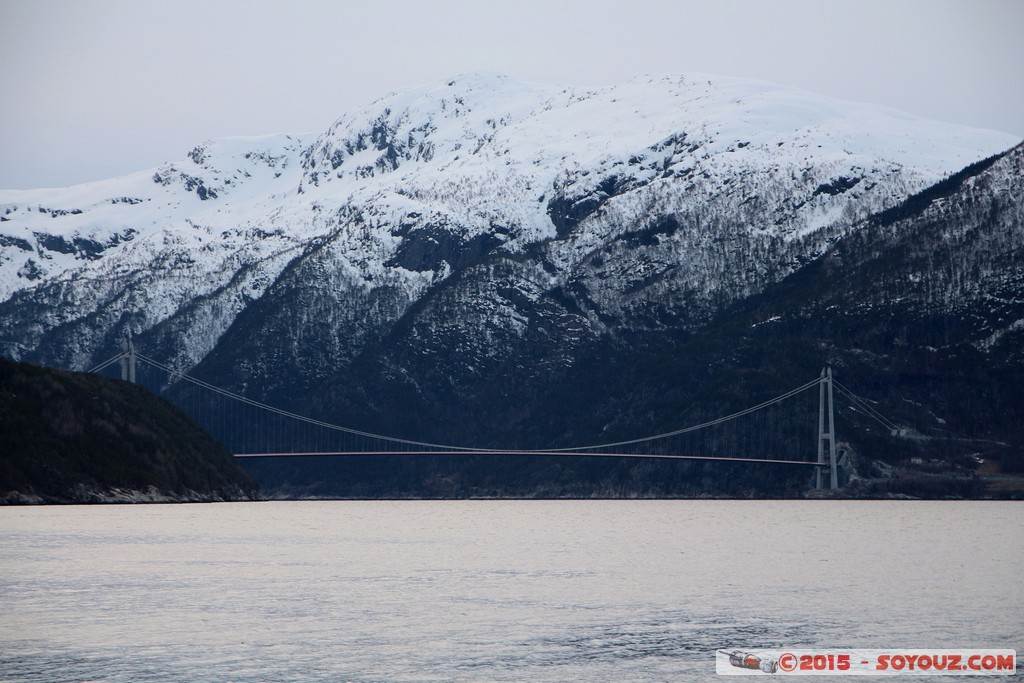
(128, 360)
(826, 431)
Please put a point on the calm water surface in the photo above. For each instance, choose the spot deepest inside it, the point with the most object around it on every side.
(493, 591)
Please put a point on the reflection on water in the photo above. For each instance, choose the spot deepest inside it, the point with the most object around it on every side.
(492, 591)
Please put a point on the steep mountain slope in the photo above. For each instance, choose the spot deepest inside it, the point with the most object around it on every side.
(926, 304)
(631, 199)
(656, 232)
(186, 246)
(918, 310)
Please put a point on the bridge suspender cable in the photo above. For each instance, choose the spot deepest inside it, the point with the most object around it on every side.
(442, 448)
(295, 416)
(861, 403)
(703, 425)
(614, 449)
(596, 450)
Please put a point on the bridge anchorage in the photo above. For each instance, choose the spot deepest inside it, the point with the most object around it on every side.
(762, 434)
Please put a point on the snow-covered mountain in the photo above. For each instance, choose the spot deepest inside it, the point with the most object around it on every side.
(457, 226)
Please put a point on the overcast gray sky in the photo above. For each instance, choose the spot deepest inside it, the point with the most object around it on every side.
(91, 89)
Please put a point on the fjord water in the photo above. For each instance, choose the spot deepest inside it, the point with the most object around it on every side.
(493, 590)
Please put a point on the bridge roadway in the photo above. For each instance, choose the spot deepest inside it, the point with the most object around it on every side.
(536, 453)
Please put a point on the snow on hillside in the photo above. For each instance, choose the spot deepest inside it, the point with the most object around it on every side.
(479, 155)
(108, 226)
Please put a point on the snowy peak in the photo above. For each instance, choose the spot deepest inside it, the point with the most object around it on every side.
(491, 115)
(416, 125)
(221, 167)
(221, 185)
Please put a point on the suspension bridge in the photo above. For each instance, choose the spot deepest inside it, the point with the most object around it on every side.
(777, 431)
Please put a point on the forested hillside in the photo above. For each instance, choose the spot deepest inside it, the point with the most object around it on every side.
(75, 438)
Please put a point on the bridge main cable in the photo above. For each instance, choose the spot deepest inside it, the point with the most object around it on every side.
(104, 364)
(693, 428)
(296, 416)
(441, 448)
